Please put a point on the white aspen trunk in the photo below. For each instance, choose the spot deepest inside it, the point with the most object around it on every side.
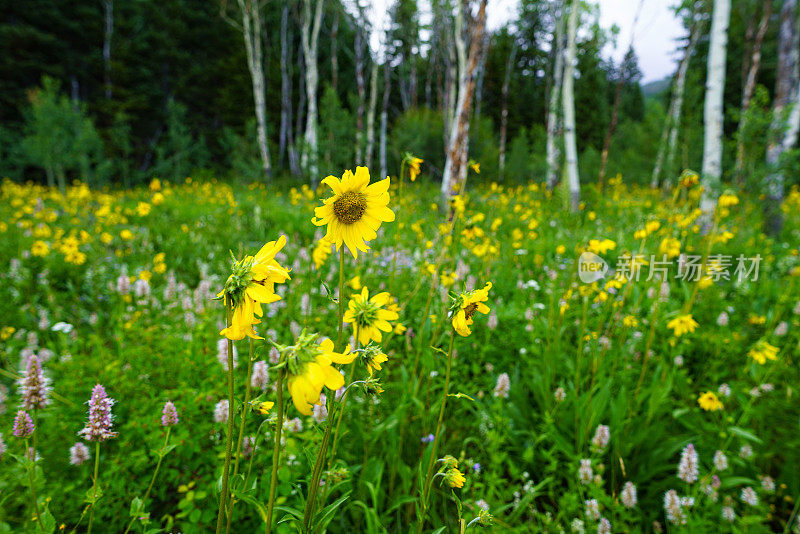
(675, 119)
(285, 138)
(385, 114)
(456, 71)
(553, 117)
(455, 167)
(573, 180)
(481, 73)
(108, 7)
(373, 104)
(334, 53)
(362, 93)
(251, 26)
(750, 85)
(712, 111)
(451, 64)
(783, 130)
(308, 160)
(504, 112)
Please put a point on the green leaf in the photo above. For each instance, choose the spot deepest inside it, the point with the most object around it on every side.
(48, 521)
(136, 507)
(744, 434)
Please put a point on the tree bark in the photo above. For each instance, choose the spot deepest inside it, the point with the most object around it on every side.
(573, 180)
(334, 53)
(455, 168)
(750, 86)
(553, 116)
(251, 31)
(373, 103)
(285, 139)
(360, 46)
(713, 111)
(310, 40)
(501, 164)
(385, 114)
(108, 8)
(669, 140)
(785, 116)
(481, 72)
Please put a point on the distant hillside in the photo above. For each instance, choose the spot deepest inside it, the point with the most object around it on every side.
(657, 87)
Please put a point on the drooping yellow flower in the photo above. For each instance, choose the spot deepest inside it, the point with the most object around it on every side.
(310, 368)
(464, 307)
(355, 211)
(369, 316)
(413, 166)
(251, 284)
(709, 402)
(373, 357)
(689, 179)
(321, 252)
(763, 351)
(683, 324)
(454, 478)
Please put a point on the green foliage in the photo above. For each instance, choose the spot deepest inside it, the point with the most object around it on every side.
(59, 137)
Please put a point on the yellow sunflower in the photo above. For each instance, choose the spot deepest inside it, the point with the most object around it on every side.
(310, 368)
(355, 211)
(464, 307)
(251, 284)
(368, 316)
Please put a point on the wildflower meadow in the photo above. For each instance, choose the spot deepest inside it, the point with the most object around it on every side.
(353, 358)
(400, 267)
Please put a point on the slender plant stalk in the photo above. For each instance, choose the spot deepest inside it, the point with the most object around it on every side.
(276, 453)
(94, 485)
(31, 470)
(316, 474)
(245, 409)
(432, 461)
(223, 497)
(339, 418)
(152, 480)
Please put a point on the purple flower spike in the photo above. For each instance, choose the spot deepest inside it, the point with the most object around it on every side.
(98, 428)
(23, 425)
(169, 416)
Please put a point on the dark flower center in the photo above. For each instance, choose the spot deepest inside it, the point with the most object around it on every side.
(469, 311)
(350, 207)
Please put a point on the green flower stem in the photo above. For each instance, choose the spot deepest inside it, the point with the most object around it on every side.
(276, 452)
(161, 455)
(94, 484)
(436, 436)
(239, 440)
(223, 497)
(316, 474)
(31, 475)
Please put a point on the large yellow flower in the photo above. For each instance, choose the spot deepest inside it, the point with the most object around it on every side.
(368, 316)
(310, 368)
(355, 211)
(251, 284)
(465, 306)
